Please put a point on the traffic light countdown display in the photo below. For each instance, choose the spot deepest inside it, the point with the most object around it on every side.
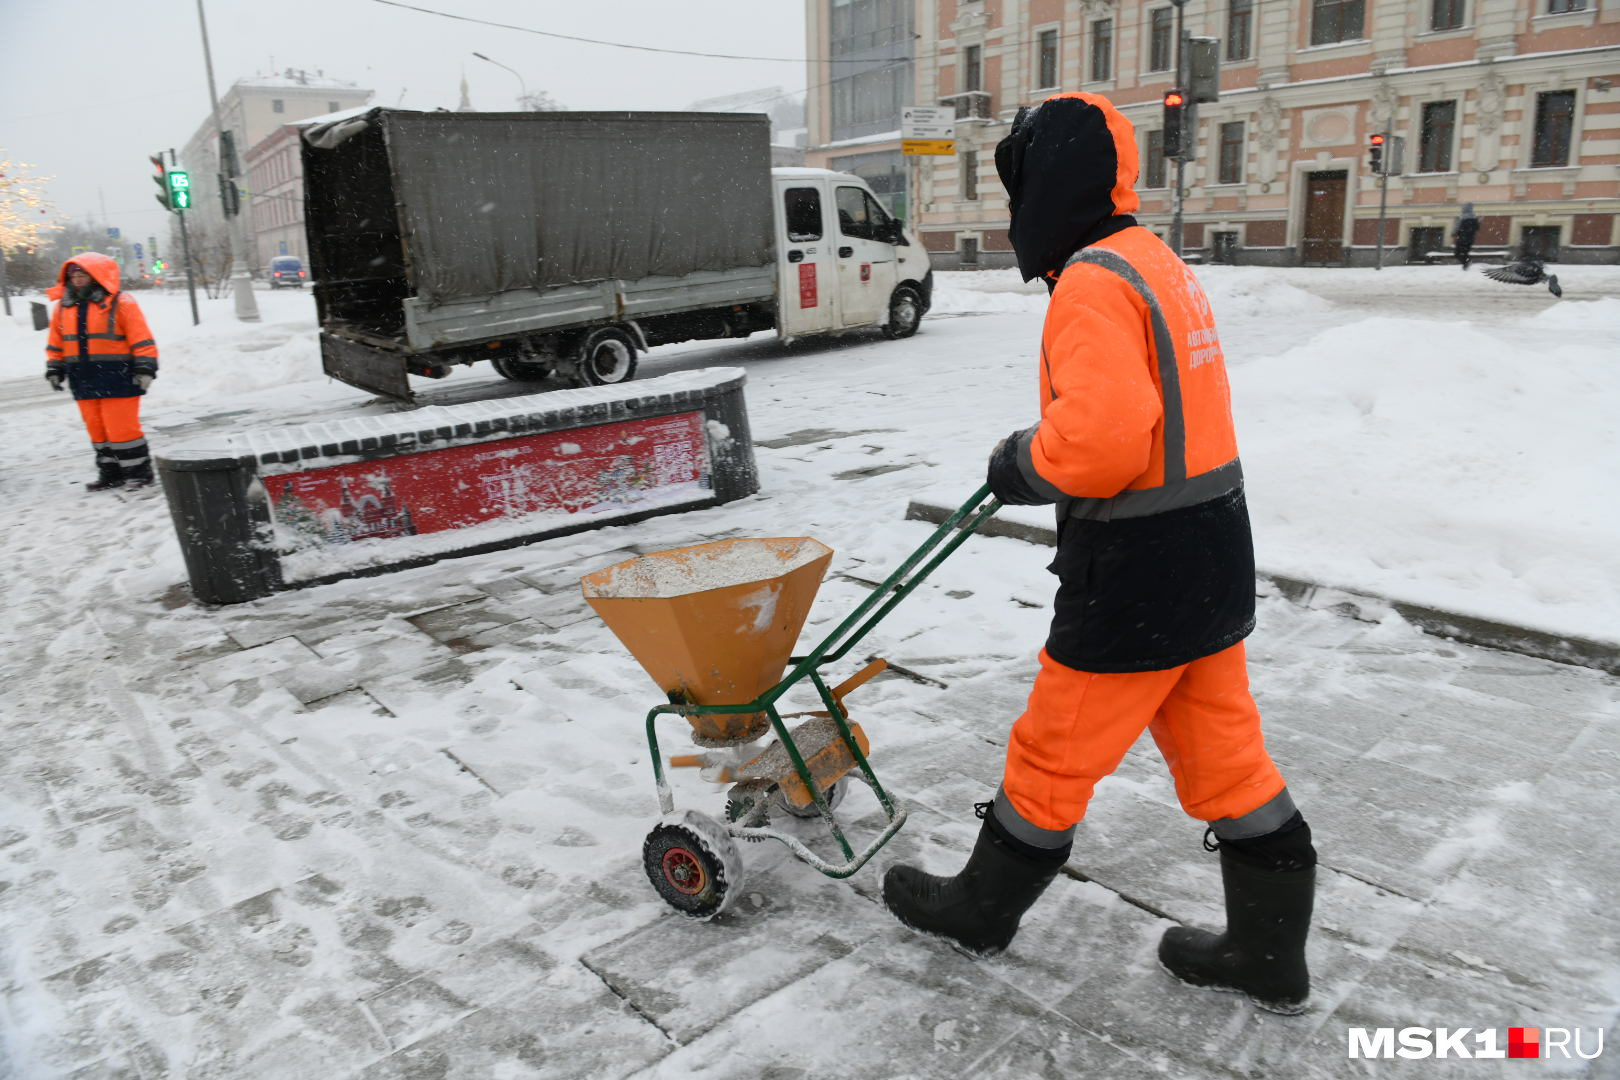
(180, 190)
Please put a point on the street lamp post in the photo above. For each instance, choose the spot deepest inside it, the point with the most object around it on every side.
(523, 101)
(1189, 127)
(247, 308)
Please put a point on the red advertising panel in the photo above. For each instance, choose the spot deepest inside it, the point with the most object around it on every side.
(581, 470)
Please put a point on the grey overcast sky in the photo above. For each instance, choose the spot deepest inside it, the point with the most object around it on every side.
(89, 89)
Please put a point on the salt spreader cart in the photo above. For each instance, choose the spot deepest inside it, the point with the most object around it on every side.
(714, 625)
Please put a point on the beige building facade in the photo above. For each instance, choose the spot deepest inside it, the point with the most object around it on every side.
(258, 112)
(1512, 105)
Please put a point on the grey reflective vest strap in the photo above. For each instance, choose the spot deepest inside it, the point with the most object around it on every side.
(1177, 490)
(1175, 425)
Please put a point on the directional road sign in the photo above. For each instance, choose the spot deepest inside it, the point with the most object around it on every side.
(926, 129)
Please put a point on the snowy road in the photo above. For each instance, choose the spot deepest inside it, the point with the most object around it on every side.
(390, 827)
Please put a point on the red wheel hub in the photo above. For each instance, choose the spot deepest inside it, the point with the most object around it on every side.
(684, 871)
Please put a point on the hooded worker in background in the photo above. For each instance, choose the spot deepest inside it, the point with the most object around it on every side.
(1135, 446)
(100, 345)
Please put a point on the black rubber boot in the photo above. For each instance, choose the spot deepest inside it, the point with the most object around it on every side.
(978, 910)
(109, 474)
(139, 476)
(1270, 891)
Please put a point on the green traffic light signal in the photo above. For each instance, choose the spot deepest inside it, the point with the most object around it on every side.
(180, 190)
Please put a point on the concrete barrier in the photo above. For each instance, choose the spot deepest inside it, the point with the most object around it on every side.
(261, 511)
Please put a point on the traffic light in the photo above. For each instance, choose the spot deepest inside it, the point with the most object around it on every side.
(1175, 124)
(1394, 155)
(1204, 69)
(230, 199)
(161, 179)
(1375, 154)
(180, 190)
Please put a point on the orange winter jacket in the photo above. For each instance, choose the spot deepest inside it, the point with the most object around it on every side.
(1135, 443)
(99, 344)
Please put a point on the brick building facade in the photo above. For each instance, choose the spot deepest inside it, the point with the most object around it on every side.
(1513, 105)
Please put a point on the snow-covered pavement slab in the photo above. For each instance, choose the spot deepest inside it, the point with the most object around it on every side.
(392, 827)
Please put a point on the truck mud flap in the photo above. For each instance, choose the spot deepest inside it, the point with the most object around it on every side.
(366, 367)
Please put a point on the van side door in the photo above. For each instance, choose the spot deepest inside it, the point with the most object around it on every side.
(807, 292)
(867, 268)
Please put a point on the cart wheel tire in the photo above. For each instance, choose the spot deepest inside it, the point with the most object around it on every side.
(509, 367)
(607, 357)
(905, 313)
(693, 865)
(835, 795)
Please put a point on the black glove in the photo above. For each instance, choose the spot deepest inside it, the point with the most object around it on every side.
(55, 379)
(1006, 479)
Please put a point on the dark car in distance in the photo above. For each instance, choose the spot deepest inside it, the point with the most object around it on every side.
(286, 271)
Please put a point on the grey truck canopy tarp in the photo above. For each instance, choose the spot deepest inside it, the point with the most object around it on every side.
(454, 206)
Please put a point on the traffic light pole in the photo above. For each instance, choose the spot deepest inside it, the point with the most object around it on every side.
(247, 309)
(1383, 196)
(1187, 134)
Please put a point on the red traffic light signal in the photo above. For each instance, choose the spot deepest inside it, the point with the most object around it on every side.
(1175, 124)
(1375, 140)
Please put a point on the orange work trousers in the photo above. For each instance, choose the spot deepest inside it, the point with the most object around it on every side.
(1079, 724)
(112, 419)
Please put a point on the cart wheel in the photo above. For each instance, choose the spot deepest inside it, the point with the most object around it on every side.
(692, 864)
(834, 795)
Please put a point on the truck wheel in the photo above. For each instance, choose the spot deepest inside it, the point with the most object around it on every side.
(510, 367)
(607, 357)
(905, 312)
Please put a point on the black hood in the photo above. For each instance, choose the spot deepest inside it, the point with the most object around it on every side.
(1069, 166)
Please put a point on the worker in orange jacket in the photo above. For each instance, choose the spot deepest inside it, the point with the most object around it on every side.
(1155, 568)
(101, 347)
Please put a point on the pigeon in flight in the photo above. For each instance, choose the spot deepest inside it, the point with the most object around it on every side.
(1525, 272)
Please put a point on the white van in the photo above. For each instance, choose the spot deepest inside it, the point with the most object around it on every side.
(843, 261)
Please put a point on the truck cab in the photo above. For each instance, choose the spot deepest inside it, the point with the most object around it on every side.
(842, 260)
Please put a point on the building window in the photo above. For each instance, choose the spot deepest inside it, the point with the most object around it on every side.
(1160, 56)
(1555, 119)
(1556, 7)
(1102, 50)
(970, 175)
(1335, 20)
(1047, 59)
(972, 68)
(1446, 15)
(1239, 28)
(1155, 159)
(970, 252)
(277, 105)
(1231, 169)
(1434, 150)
